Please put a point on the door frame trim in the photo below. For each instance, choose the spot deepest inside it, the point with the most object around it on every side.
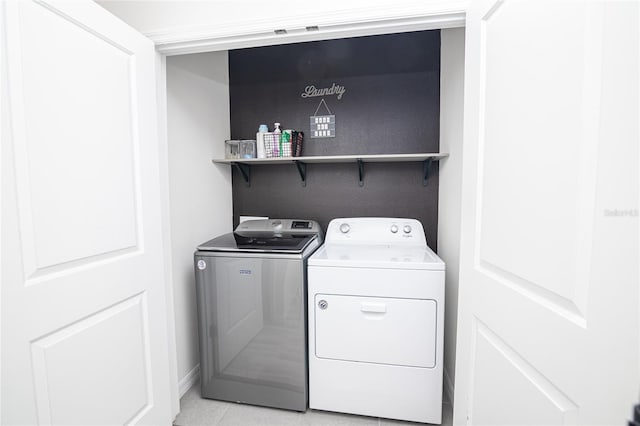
(326, 26)
(165, 218)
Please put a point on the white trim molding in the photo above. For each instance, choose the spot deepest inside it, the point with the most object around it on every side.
(310, 27)
(163, 150)
(448, 386)
(190, 379)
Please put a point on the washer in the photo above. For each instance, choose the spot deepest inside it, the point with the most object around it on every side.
(251, 298)
(376, 321)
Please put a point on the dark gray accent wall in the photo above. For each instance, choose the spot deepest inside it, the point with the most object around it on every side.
(390, 106)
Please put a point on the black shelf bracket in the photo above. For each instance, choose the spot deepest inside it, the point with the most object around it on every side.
(360, 172)
(302, 169)
(426, 166)
(245, 171)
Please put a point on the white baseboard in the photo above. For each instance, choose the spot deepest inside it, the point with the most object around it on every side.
(448, 386)
(190, 379)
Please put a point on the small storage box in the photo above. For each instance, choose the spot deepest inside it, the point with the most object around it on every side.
(239, 149)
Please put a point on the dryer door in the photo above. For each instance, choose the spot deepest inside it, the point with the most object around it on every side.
(376, 329)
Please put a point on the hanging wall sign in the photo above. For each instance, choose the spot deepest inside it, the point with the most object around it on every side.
(322, 126)
(313, 91)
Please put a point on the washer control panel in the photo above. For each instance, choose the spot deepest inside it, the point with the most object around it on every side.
(375, 230)
(278, 226)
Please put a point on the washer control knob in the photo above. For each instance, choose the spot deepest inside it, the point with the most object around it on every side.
(344, 228)
(407, 229)
(394, 229)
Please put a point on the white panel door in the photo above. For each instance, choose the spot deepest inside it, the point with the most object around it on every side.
(84, 337)
(548, 308)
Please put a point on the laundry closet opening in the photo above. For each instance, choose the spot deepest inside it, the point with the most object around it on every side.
(387, 94)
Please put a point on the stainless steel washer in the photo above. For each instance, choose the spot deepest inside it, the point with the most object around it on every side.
(252, 319)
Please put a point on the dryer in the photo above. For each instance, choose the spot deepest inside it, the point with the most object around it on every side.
(376, 321)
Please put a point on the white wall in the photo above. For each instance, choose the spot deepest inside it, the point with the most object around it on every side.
(451, 121)
(163, 16)
(199, 191)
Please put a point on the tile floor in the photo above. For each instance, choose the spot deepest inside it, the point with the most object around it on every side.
(196, 411)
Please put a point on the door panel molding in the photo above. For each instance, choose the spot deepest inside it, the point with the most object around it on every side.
(562, 306)
(492, 10)
(37, 270)
(566, 408)
(570, 301)
(57, 11)
(53, 272)
(44, 363)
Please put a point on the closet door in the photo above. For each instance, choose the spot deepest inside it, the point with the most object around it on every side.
(84, 329)
(548, 311)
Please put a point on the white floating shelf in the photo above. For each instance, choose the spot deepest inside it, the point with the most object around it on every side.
(244, 164)
(371, 158)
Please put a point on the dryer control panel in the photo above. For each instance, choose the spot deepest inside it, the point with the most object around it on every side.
(375, 230)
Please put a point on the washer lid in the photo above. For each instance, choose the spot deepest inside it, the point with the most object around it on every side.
(263, 243)
(377, 256)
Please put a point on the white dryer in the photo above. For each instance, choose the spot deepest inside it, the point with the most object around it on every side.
(376, 321)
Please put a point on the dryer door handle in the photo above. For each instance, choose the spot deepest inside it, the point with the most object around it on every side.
(376, 308)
